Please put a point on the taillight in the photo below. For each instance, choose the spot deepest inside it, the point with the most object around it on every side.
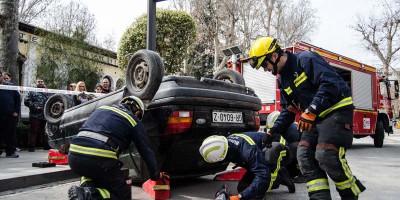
(257, 120)
(179, 122)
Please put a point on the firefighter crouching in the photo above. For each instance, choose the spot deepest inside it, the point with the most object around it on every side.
(309, 84)
(245, 150)
(93, 154)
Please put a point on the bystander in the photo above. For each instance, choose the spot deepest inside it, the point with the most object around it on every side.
(106, 84)
(98, 89)
(36, 101)
(82, 97)
(7, 81)
(7, 78)
(72, 86)
(9, 112)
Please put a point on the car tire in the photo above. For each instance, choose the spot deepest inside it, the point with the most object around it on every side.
(379, 135)
(229, 75)
(144, 74)
(55, 107)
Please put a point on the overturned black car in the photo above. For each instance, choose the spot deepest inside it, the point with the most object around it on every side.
(180, 113)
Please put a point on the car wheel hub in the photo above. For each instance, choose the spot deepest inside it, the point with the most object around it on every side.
(56, 109)
(140, 74)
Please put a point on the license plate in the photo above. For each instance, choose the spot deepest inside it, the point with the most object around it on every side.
(227, 116)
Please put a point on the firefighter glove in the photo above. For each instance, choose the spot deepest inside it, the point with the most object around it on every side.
(234, 197)
(306, 121)
(267, 140)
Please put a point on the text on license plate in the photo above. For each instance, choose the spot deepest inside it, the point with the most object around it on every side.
(227, 117)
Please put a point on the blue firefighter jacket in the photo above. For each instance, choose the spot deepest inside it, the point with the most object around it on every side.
(308, 81)
(112, 121)
(245, 150)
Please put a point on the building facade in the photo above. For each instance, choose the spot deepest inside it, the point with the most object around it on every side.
(29, 38)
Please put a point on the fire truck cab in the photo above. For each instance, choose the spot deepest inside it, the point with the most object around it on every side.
(371, 93)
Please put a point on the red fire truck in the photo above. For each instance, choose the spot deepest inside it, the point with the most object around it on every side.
(371, 93)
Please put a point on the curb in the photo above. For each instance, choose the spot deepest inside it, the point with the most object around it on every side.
(33, 180)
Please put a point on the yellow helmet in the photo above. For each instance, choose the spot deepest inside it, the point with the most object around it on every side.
(260, 49)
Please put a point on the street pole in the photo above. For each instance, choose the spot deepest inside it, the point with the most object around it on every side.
(151, 24)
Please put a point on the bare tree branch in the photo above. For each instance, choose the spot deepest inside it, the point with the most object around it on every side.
(32, 10)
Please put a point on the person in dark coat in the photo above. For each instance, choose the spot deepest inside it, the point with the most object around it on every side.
(10, 110)
(36, 101)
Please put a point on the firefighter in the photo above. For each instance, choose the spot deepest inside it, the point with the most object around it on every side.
(263, 167)
(94, 152)
(308, 84)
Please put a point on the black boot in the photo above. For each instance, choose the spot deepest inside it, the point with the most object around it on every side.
(299, 179)
(76, 193)
(286, 180)
(83, 193)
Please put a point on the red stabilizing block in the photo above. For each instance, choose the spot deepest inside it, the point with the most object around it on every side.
(232, 175)
(57, 157)
(157, 189)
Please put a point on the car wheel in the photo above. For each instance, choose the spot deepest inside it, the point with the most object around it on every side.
(379, 135)
(229, 75)
(144, 74)
(55, 107)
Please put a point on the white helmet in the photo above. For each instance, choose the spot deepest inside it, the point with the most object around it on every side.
(132, 100)
(271, 119)
(214, 148)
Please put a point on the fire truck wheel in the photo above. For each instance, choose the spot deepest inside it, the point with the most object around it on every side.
(144, 74)
(55, 107)
(229, 75)
(379, 135)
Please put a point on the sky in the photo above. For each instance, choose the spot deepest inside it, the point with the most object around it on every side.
(334, 19)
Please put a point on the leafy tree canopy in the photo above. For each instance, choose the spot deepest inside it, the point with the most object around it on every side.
(176, 31)
(66, 60)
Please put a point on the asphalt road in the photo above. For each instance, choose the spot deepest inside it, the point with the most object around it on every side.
(378, 170)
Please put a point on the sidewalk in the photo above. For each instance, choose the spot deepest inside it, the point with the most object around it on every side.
(16, 173)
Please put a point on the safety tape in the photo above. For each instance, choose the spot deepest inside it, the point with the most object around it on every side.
(45, 90)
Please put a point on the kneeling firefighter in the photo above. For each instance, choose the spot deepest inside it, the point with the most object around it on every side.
(245, 150)
(94, 152)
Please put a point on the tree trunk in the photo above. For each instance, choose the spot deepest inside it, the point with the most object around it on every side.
(9, 38)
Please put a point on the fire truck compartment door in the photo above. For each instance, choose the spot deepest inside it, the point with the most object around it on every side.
(362, 90)
(263, 83)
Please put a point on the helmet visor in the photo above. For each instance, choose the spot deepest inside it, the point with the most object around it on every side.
(255, 61)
